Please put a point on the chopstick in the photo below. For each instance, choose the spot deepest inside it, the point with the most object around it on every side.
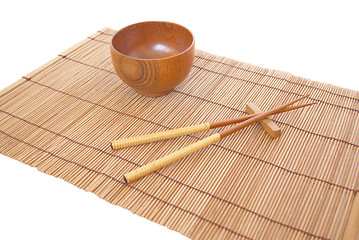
(158, 136)
(172, 157)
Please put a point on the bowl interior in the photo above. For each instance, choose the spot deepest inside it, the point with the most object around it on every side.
(152, 40)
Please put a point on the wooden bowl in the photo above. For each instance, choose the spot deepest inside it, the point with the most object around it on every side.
(153, 57)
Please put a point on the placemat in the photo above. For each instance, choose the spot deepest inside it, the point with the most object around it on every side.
(61, 118)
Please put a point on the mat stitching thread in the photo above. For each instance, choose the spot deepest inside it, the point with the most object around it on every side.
(220, 104)
(279, 89)
(202, 191)
(124, 184)
(94, 39)
(275, 77)
(153, 122)
(115, 155)
(255, 83)
(228, 149)
(247, 70)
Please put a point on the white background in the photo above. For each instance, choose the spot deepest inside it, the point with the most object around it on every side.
(313, 39)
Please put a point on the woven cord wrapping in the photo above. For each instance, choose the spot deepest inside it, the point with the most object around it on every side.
(170, 158)
(158, 136)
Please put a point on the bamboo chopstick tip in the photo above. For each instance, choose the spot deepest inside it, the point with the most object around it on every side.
(305, 96)
(309, 104)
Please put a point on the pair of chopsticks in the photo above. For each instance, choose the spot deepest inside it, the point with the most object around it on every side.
(243, 122)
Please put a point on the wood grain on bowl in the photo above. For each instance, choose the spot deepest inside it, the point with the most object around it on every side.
(153, 57)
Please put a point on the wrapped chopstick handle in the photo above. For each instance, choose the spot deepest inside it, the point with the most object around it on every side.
(170, 158)
(158, 136)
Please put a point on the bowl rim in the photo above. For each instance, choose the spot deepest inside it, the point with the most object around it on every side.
(152, 59)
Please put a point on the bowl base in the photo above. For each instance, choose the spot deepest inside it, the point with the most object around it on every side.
(154, 94)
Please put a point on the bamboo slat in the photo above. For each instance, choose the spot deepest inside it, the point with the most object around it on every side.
(304, 184)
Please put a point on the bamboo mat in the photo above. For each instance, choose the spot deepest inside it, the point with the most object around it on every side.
(61, 118)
